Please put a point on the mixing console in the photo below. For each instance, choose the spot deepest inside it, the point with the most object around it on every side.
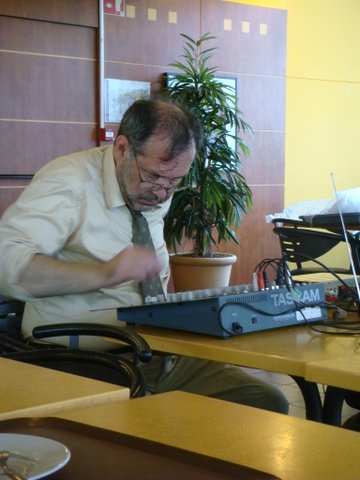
(232, 310)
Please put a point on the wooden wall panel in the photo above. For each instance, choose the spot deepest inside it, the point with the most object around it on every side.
(24, 35)
(243, 48)
(137, 40)
(48, 85)
(75, 12)
(262, 100)
(48, 88)
(265, 164)
(26, 146)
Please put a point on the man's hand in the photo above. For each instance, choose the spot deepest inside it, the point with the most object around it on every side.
(133, 263)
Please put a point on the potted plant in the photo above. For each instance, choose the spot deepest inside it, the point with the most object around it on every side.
(212, 197)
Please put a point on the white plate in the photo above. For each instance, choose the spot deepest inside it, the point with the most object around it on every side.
(45, 455)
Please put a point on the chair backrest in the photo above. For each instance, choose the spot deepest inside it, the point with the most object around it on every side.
(75, 330)
(109, 367)
(96, 365)
(300, 245)
(11, 312)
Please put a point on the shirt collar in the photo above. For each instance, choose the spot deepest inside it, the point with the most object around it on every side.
(112, 192)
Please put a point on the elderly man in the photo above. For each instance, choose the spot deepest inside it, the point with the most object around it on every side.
(67, 247)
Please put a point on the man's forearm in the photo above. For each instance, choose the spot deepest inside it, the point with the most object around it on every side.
(46, 276)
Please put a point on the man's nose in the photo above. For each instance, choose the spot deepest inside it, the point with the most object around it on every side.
(162, 193)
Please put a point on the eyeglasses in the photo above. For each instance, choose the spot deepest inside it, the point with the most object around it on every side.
(147, 179)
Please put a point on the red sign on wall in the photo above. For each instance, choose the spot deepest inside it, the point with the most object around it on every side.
(114, 7)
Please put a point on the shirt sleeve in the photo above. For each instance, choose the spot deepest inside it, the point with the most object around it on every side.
(40, 221)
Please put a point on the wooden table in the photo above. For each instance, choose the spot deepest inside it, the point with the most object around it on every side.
(289, 447)
(283, 350)
(340, 374)
(28, 390)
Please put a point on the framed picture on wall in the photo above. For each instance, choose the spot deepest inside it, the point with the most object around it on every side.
(120, 94)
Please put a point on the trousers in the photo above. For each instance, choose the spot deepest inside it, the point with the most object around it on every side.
(205, 377)
(213, 379)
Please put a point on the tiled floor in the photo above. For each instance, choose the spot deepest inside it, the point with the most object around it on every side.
(292, 392)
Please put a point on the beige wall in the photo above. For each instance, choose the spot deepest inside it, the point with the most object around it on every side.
(322, 96)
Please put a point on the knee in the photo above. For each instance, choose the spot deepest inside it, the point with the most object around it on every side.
(276, 401)
(265, 396)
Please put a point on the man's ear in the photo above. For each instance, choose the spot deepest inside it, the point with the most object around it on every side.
(121, 147)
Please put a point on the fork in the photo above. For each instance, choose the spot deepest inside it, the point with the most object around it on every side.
(8, 471)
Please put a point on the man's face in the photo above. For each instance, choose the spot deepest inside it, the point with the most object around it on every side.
(149, 178)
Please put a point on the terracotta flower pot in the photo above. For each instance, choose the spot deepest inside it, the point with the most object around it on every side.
(196, 273)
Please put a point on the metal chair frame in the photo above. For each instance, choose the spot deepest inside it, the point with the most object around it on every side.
(105, 366)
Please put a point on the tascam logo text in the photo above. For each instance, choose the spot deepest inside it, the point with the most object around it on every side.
(306, 296)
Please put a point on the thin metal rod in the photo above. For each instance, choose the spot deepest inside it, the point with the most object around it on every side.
(346, 238)
(101, 64)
